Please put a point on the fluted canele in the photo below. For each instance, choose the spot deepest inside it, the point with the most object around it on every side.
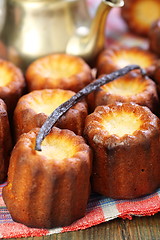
(12, 84)
(132, 87)
(117, 57)
(5, 141)
(58, 71)
(125, 140)
(49, 188)
(33, 109)
(154, 36)
(140, 14)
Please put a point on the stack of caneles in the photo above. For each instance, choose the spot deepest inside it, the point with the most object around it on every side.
(50, 187)
(110, 147)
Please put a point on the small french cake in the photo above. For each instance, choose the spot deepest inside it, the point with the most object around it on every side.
(58, 71)
(12, 84)
(117, 57)
(154, 36)
(5, 141)
(125, 140)
(140, 14)
(156, 76)
(132, 87)
(33, 109)
(48, 188)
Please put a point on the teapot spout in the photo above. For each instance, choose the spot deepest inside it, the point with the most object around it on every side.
(87, 42)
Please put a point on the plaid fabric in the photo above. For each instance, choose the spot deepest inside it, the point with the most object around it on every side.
(99, 209)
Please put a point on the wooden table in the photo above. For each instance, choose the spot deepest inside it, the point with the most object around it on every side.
(139, 228)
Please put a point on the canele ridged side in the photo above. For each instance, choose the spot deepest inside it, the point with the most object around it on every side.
(131, 88)
(47, 193)
(116, 57)
(140, 14)
(58, 71)
(5, 141)
(26, 116)
(128, 166)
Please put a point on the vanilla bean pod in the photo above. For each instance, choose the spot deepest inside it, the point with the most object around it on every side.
(63, 108)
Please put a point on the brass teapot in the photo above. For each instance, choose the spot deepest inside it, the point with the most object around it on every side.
(34, 28)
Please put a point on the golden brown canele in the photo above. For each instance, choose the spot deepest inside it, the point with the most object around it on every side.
(154, 37)
(12, 84)
(49, 188)
(33, 109)
(132, 87)
(125, 140)
(58, 71)
(5, 141)
(156, 76)
(140, 14)
(117, 57)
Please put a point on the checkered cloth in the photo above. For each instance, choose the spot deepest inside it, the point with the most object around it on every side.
(99, 209)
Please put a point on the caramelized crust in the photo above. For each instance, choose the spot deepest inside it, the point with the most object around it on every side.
(125, 139)
(58, 71)
(12, 84)
(33, 109)
(118, 57)
(50, 188)
(5, 141)
(132, 87)
(156, 76)
(157, 73)
(140, 14)
(154, 37)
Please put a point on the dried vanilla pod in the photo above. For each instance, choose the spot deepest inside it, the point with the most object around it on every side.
(63, 108)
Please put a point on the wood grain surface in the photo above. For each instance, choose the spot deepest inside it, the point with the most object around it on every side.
(139, 228)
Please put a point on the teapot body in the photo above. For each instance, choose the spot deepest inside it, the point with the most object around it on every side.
(34, 28)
